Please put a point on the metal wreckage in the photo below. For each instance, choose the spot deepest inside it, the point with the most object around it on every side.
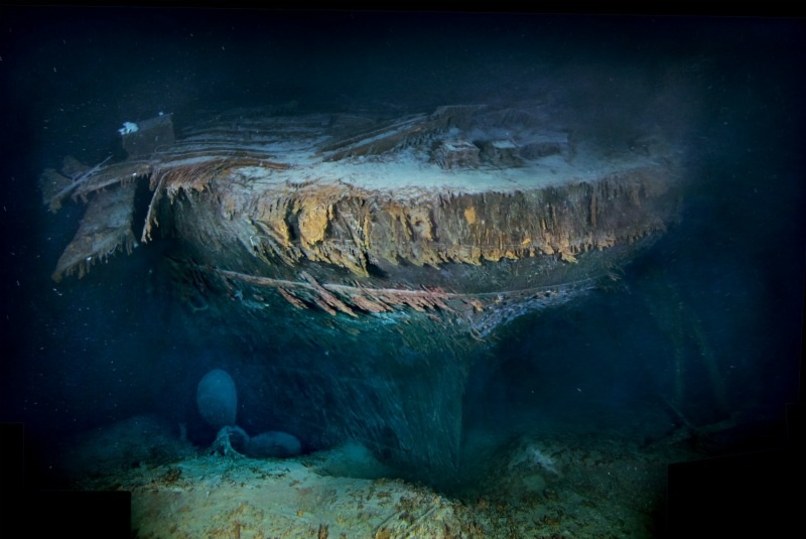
(364, 258)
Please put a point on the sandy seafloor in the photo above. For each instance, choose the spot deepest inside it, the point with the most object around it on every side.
(575, 485)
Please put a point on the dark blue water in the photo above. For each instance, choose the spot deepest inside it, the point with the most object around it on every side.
(704, 327)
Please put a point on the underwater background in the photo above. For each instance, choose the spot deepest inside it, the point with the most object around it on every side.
(703, 328)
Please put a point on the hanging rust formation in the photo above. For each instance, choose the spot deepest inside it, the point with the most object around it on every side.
(365, 262)
(470, 211)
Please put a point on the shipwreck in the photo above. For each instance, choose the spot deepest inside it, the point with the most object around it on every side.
(350, 233)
